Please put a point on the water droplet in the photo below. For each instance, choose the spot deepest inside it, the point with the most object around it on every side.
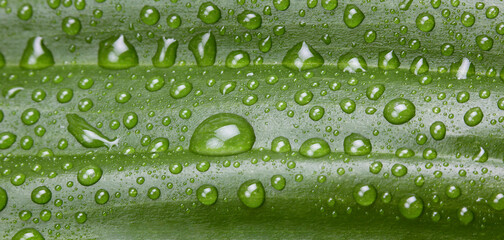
(302, 57)
(316, 113)
(425, 22)
(25, 12)
(492, 12)
(89, 175)
(41, 195)
(399, 170)
(36, 55)
(130, 120)
(473, 116)
(223, 134)
(265, 44)
(53, 3)
(314, 148)
(281, 5)
(160, 144)
(209, 13)
(411, 206)
(280, 145)
(357, 145)
(352, 63)
(364, 194)
(28, 234)
(463, 68)
(180, 89)
(80, 217)
(375, 91)
(278, 182)
(303, 97)
(117, 53)
(484, 42)
(207, 194)
(237, 59)
(154, 193)
(429, 153)
(251, 193)
(438, 130)
(452, 191)
(249, 19)
(399, 111)
(173, 21)
(102, 196)
(467, 19)
(353, 16)
(465, 215)
(481, 155)
(347, 105)
(404, 153)
(419, 66)
(388, 60)
(497, 201)
(3, 199)
(166, 53)
(87, 135)
(149, 15)
(30, 116)
(71, 26)
(329, 4)
(204, 48)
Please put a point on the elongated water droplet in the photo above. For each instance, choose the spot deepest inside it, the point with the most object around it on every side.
(357, 145)
(265, 44)
(3, 199)
(87, 135)
(463, 68)
(166, 53)
(251, 193)
(314, 148)
(117, 53)
(302, 57)
(353, 16)
(352, 63)
(36, 55)
(481, 155)
(405, 5)
(438, 130)
(222, 134)
(204, 48)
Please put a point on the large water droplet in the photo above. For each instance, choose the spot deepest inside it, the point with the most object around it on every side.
(278, 182)
(251, 193)
(399, 111)
(3, 199)
(117, 53)
(314, 148)
(166, 53)
(411, 206)
(388, 60)
(465, 215)
(357, 145)
(280, 145)
(180, 89)
(364, 195)
(149, 15)
(159, 145)
(281, 5)
(89, 175)
(87, 135)
(41, 195)
(438, 130)
(497, 201)
(250, 19)
(237, 59)
(302, 57)
(71, 26)
(481, 155)
(473, 116)
(352, 63)
(28, 234)
(419, 66)
(7, 139)
(36, 55)
(209, 13)
(204, 48)
(425, 22)
(223, 134)
(207, 194)
(353, 16)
